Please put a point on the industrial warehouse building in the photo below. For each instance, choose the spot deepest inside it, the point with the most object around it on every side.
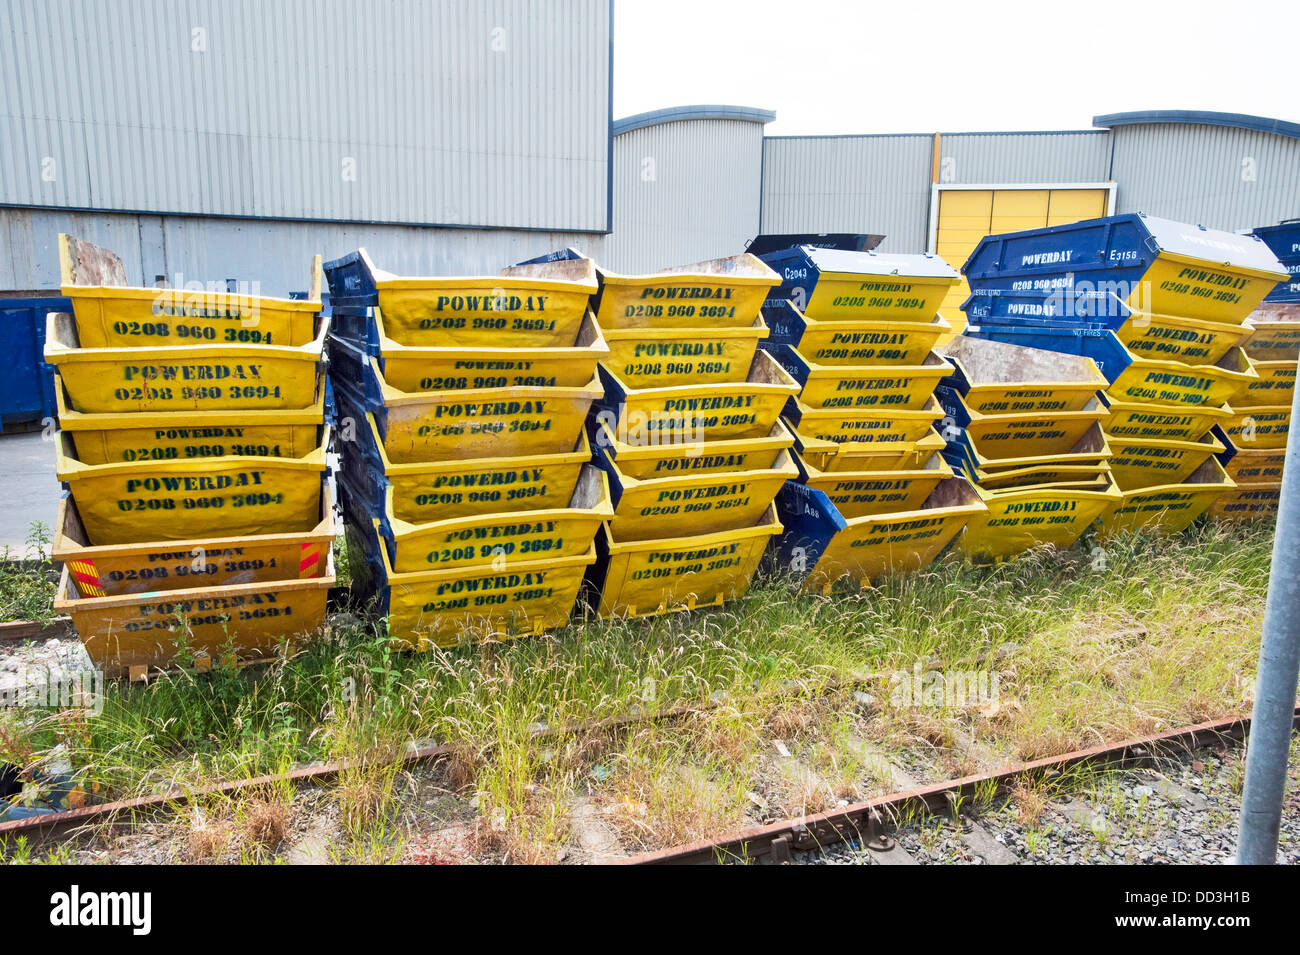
(234, 141)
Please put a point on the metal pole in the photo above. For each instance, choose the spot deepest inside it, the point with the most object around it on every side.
(1275, 682)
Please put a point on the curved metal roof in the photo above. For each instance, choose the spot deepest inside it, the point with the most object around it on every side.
(672, 114)
(1202, 117)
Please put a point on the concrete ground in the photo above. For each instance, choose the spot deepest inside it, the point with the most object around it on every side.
(29, 490)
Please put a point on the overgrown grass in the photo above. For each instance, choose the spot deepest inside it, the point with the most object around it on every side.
(27, 582)
(1089, 645)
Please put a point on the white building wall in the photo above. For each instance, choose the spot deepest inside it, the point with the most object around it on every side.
(1220, 177)
(409, 111)
(684, 191)
(873, 184)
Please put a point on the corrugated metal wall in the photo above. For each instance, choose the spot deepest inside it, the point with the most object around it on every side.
(448, 112)
(1008, 158)
(1217, 176)
(877, 184)
(684, 191)
(275, 253)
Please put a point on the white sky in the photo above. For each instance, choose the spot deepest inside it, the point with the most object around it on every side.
(903, 66)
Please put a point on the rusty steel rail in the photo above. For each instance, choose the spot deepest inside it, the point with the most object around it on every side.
(20, 630)
(865, 820)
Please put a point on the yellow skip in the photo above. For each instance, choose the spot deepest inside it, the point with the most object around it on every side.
(441, 490)
(233, 496)
(1134, 419)
(1256, 465)
(646, 462)
(1090, 449)
(504, 537)
(863, 387)
(871, 547)
(712, 294)
(1174, 383)
(111, 570)
(1168, 508)
(248, 621)
(184, 435)
(1042, 474)
(111, 314)
(659, 357)
(182, 377)
(1021, 518)
(1022, 434)
(703, 503)
(485, 422)
(864, 493)
(864, 427)
(644, 578)
(462, 605)
(858, 342)
(456, 368)
(833, 456)
(1196, 341)
(1201, 288)
(1274, 332)
(1276, 385)
(526, 306)
(1248, 502)
(1001, 378)
(1250, 428)
(746, 409)
(1142, 462)
(873, 285)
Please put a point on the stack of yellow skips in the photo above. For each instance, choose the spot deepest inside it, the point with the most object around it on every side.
(1255, 434)
(1025, 426)
(1161, 307)
(193, 437)
(470, 503)
(874, 495)
(688, 434)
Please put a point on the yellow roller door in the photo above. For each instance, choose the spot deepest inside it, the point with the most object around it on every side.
(965, 216)
(1017, 209)
(1071, 205)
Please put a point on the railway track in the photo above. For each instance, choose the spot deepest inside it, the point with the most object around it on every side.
(868, 823)
(872, 825)
(416, 752)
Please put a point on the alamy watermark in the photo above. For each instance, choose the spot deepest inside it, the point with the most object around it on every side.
(641, 429)
(54, 686)
(232, 299)
(952, 689)
(1066, 296)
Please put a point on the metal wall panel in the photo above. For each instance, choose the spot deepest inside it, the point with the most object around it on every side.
(1220, 177)
(275, 253)
(877, 184)
(462, 112)
(684, 191)
(1010, 158)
